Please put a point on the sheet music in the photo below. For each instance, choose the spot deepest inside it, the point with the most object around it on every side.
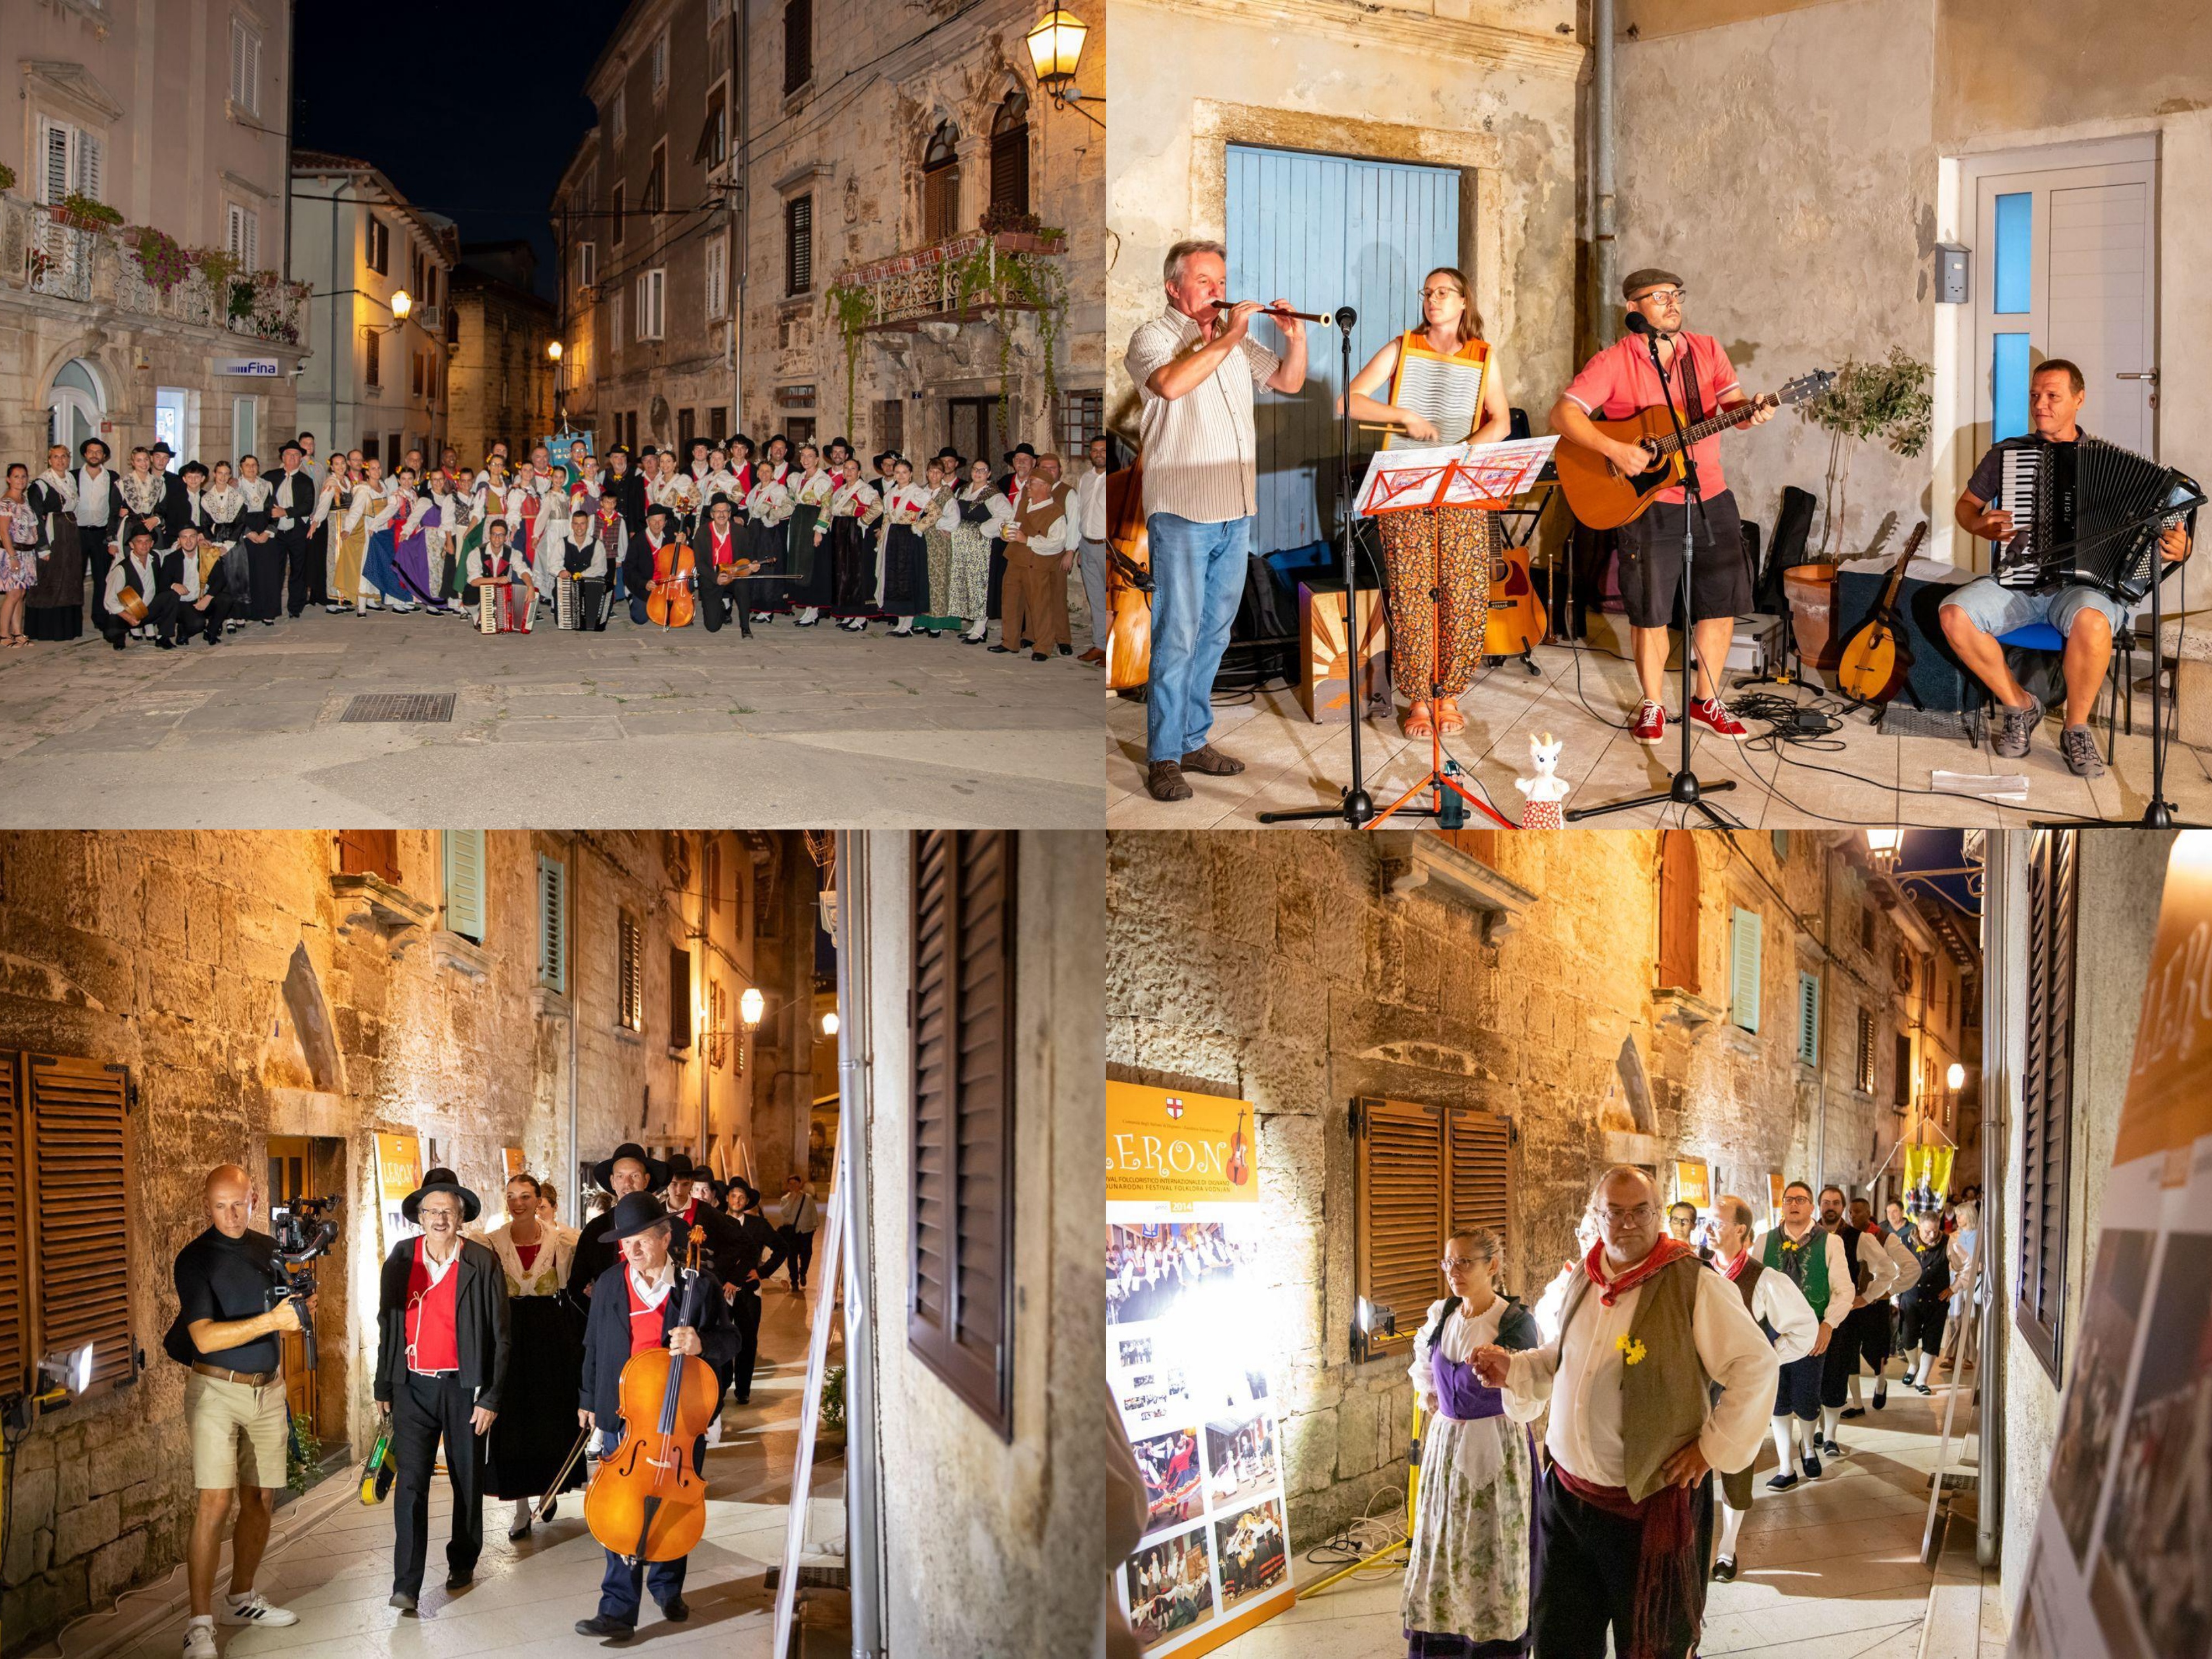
(1445, 391)
(1482, 474)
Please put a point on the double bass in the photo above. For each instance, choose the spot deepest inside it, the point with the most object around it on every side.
(647, 1503)
(1128, 580)
(669, 600)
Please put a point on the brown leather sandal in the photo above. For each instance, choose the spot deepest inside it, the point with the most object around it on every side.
(1416, 723)
(1449, 720)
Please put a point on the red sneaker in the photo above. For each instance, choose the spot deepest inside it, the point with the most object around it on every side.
(1650, 724)
(1712, 715)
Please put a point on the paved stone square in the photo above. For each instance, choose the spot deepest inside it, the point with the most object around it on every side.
(633, 726)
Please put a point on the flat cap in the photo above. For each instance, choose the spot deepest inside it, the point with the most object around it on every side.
(1650, 276)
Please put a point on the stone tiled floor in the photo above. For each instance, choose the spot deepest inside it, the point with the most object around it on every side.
(331, 1560)
(1291, 762)
(809, 727)
(1829, 1570)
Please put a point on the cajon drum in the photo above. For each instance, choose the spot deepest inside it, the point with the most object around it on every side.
(1325, 652)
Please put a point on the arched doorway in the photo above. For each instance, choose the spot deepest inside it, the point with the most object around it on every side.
(75, 406)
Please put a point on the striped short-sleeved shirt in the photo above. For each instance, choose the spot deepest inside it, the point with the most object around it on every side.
(1201, 459)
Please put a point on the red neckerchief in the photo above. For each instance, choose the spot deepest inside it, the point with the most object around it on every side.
(1611, 1291)
(1736, 1265)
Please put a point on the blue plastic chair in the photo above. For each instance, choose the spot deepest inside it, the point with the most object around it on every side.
(2042, 636)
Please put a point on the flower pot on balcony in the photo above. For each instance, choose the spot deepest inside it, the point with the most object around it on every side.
(1027, 242)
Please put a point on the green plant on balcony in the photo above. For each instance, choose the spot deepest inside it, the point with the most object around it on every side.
(82, 212)
(1886, 402)
(851, 308)
(7, 177)
(217, 267)
(161, 260)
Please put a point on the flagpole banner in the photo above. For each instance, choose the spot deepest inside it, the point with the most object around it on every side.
(2121, 1567)
(399, 1172)
(1185, 1355)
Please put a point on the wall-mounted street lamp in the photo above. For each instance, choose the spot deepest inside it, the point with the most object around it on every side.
(1884, 845)
(553, 351)
(751, 1007)
(1055, 43)
(829, 1022)
(1956, 1076)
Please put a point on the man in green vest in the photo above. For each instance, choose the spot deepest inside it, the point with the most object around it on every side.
(1658, 1377)
(1814, 1260)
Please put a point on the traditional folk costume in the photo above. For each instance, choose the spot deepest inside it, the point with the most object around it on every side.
(261, 556)
(442, 1351)
(1817, 1266)
(1781, 1311)
(716, 550)
(1034, 602)
(1631, 1380)
(326, 537)
(537, 1423)
(853, 509)
(1923, 1310)
(19, 557)
(143, 495)
(767, 539)
(444, 520)
(53, 609)
(905, 564)
(1872, 1276)
(379, 567)
(973, 518)
(224, 562)
(1471, 1562)
(1877, 1335)
(363, 504)
(517, 599)
(292, 504)
(98, 510)
(679, 493)
(937, 560)
(812, 585)
(169, 614)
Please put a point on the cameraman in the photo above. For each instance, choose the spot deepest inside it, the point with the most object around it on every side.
(234, 1401)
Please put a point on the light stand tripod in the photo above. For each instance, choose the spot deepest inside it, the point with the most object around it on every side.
(1683, 788)
(2159, 815)
(1357, 806)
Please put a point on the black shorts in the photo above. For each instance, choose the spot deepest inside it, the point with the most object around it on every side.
(1651, 562)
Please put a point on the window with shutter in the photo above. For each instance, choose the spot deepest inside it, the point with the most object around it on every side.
(797, 44)
(79, 1168)
(679, 997)
(614, 235)
(1678, 911)
(1743, 970)
(1809, 1019)
(940, 184)
(587, 264)
(716, 283)
(15, 1281)
(553, 924)
(1010, 155)
(2046, 1099)
(57, 146)
(378, 251)
(1780, 841)
(89, 149)
(464, 882)
(1420, 1174)
(1864, 1074)
(960, 1202)
(655, 198)
(369, 853)
(710, 867)
(244, 67)
(629, 973)
(798, 244)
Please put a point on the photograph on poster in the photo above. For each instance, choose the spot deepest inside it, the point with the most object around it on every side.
(1170, 1587)
(1134, 1350)
(2157, 1545)
(1172, 1490)
(2100, 1377)
(1239, 1457)
(1250, 1547)
(1153, 1400)
(1147, 1268)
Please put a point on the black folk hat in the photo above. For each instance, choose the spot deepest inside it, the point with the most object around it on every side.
(656, 1172)
(441, 1180)
(636, 1211)
(681, 1168)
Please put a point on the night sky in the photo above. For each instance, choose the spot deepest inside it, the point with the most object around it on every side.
(471, 109)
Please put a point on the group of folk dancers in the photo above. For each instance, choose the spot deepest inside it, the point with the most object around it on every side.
(1614, 1527)
(202, 552)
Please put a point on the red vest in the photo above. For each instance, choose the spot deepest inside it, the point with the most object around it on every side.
(644, 1323)
(431, 1344)
(725, 551)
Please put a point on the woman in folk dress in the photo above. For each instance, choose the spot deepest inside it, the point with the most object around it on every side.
(537, 1419)
(1470, 1569)
(973, 516)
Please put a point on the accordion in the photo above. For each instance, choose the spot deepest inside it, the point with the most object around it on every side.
(487, 609)
(565, 587)
(2088, 513)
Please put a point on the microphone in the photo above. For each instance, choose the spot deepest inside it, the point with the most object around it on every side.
(1640, 323)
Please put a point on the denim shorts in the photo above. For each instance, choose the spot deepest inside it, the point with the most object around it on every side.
(1998, 610)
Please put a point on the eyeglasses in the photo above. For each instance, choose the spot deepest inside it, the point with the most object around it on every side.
(1454, 1263)
(1440, 293)
(1664, 296)
(1615, 1214)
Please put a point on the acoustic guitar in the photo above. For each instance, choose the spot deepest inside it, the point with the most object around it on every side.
(1604, 498)
(1517, 619)
(1876, 659)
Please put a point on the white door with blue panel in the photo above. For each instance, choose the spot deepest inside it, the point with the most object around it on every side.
(1323, 232)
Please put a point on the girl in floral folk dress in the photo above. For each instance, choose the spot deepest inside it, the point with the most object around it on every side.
(1469, 1575)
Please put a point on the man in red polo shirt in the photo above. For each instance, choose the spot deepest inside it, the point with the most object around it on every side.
(440, 1362)
(1614, 385)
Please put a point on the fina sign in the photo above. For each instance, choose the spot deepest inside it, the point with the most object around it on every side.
(255, 367)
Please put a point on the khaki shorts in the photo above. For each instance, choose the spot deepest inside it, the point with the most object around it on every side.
(239, 1433)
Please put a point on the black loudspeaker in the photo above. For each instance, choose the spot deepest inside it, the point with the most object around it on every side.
(1263, 640)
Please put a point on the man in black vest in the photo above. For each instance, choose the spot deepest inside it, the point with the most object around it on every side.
(643, 1302)
(440, 1362)
(293, 502)
(1872, 1273)
(735, 1247)
(628, 1171)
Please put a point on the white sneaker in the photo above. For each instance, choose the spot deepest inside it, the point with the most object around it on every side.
(253, 1608)
(199, 1640)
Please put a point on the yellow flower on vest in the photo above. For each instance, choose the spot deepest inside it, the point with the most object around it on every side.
(1631, 1351)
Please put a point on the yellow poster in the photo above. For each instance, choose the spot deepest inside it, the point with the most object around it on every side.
(1693, 1183)
(1170, 1146)
(514, 1163)
(1774, 1186)
(399, 1172)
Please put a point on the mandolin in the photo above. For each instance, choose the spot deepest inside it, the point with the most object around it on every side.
(1128, 580)
(1876, 659)
(1603, 498)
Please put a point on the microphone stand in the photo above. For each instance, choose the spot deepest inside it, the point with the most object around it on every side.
(1357, 806)
(1683, 789)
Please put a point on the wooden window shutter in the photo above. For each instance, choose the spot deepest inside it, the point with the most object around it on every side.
(464, 882)
(1480, 845)
(630, 974)
(961, 1201)
(2046, 1099)
(553, 924)
(79, 1166)
(1743, 970)
(1678, 911)
(1864, 1077)
(1809, 1019)
(369, 853)
(1399, 1200)
(1480, 1177)
(15, 1283)
(679, 997)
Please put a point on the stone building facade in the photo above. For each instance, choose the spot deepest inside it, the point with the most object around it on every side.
(500, 384)
(1522, 975)
(277, 998)
(165, 117)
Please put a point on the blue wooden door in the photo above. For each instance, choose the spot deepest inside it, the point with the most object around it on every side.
(1324, 231)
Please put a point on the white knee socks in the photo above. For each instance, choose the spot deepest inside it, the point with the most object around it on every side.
(1731, 1524)
(1828, 1415)
(1783, 1436)
(1927, 1364)
(1856, 1398)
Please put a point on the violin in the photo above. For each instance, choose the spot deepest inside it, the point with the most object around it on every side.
(647, 1503)
(1240, 1171)
(1128, 580)
(668, 601)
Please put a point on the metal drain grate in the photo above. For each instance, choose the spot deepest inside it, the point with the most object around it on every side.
(397, 708)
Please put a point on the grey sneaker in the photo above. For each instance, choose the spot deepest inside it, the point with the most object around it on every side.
(2078, 743)
(2014, 727)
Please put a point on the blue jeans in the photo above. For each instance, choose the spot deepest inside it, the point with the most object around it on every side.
(1198, 581)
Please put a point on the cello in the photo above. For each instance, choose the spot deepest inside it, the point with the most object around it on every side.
(675, 573)
(647, 1503)
(1128, 580)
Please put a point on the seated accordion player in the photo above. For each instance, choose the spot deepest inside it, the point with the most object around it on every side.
(2088, 513)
